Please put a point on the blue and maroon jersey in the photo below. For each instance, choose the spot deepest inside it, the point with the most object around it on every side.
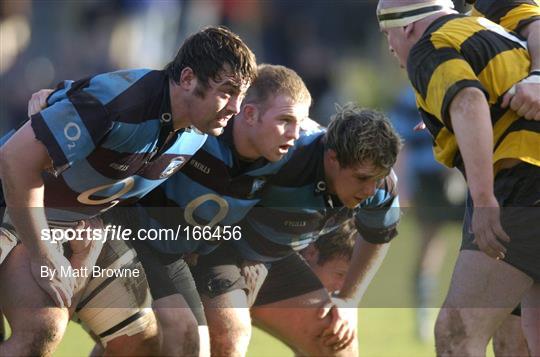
(216, 188)
(110, 140)
(296, 208)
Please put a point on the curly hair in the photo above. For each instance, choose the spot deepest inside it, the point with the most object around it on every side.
(359, 135)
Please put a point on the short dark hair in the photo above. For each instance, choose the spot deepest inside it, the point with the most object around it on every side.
(339, 243)
(208, 51)
(358, 135)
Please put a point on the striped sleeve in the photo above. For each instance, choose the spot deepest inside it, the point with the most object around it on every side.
(514, 15)
(72, 125)
(376, 219)
(438, 75)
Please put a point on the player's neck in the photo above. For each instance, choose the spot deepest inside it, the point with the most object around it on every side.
(179, 110)
(241, 138)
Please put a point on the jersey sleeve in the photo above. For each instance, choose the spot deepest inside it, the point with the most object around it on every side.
(72, 125)
(438, 72)
(376, 219)
(513, 15)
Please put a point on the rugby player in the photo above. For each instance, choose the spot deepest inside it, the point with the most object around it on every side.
(104, 140)
(461, 68)
(222, 180)
(329, 176)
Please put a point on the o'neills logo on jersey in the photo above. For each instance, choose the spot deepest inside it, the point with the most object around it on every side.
(200, 166)
(173, 166)
(119, 167)
(295, 224)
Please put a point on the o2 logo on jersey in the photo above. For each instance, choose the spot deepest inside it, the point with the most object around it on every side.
(193, 205)
(173, 166)
(126, 185)
(72, 132)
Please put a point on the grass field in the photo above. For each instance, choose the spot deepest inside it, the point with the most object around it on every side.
(386, 316)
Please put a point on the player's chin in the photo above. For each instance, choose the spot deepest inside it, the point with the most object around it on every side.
(351, 203)
(215, 131)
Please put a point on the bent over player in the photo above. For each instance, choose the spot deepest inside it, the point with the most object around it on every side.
(103, 140)
(461, 67)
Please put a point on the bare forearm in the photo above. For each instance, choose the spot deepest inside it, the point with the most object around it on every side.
(365, 262)
(471, 123)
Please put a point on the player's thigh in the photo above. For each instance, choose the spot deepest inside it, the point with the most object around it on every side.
(289, 302)
(294, 320)
(479, 281)
(483, 291)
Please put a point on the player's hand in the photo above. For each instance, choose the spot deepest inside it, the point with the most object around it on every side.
(342, 329)
(59, 287)
(38, 101)
(524, 98)
(254, 274)
(487, 229)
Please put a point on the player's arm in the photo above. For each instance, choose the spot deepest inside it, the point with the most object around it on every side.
(376, 221)
(471, 122)
(22, 160)
(524, 97)
(365, 262)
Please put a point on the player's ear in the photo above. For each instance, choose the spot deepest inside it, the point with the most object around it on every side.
(188, 80)
(311, 254)
(250, 113)
(332, 156)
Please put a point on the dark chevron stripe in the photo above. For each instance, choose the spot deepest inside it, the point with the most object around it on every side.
(44, 134)
(203, 168)
(519, 124)
(479, 49)
(263, 246)
(424, 60)
(295, 223)
(91, 111)
(495, 10)
(303, 167)
(140, 102)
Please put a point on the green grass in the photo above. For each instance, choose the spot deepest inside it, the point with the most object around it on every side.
(386, 316)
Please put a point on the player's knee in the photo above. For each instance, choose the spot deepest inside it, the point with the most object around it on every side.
(179, 330)
(230, 338)
(43, 336)
(449, 331)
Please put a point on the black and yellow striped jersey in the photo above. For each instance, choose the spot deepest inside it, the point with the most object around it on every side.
(458, 51)
(512, 15)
